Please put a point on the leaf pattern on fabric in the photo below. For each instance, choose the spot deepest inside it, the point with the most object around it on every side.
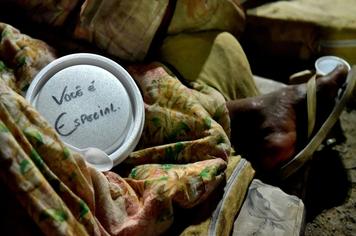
(188, 183)
(64, 196)
(26, 56)
(67, 196)
(3, 128)
(66, 153)
(83, 209)
(35, 157)
(34, 135)
(55, 214)
(178, 128)
(24, 166)
(172, 152)
(208, 172)
(2, 66)
(7, 75)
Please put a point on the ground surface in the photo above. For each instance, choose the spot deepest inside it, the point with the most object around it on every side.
(331, 196)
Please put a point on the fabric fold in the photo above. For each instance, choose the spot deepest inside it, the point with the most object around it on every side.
(178, 166)
(122, 28)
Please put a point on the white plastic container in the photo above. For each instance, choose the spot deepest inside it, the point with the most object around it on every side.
(324, 65)
(91, 101)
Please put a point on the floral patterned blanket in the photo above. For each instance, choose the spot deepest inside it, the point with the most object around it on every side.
(183, 160)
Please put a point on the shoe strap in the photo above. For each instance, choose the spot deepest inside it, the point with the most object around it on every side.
(311, 104)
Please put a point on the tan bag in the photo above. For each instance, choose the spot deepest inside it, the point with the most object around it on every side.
(304, 29)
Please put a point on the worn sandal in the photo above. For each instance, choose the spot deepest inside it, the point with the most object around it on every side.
(306, 153)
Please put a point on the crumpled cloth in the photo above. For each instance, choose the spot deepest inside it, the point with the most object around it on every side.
(126, 28)
(27, 55)
(180, 160)
(177, 118)
(212, 58)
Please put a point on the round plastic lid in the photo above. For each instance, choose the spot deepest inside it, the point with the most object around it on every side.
(90, 101)
(324, 65)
